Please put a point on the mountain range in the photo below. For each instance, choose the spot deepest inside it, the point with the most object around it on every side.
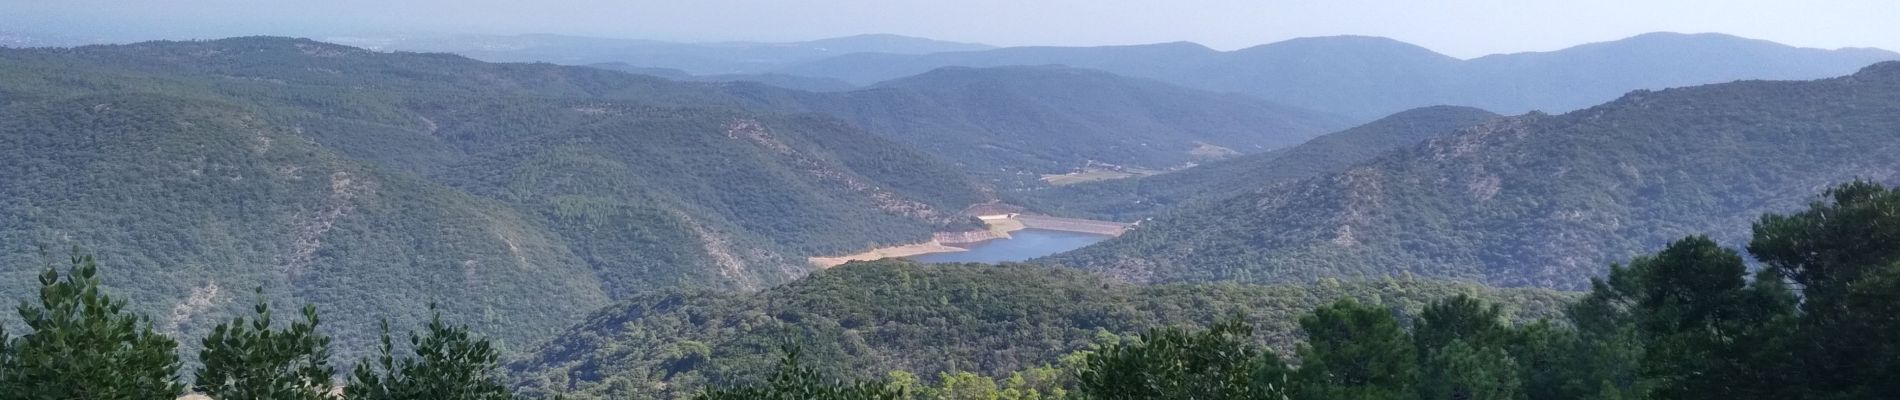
(1017, 123)
(518, 196)
(1369, 77)
(1539, 200)
(671, 210)
(710, 58)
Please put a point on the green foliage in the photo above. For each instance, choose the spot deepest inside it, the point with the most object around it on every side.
(1843, 255)
(1461, 371)
(862, 320)
(1463, 346)
(84, 344)
(449, 364)
(1037, 383)
(251, 361)
(794, 381)
(1683, 323)
(1460, 317)
(1708, 334)
(964, 385)
(1355, 351)
(1222, 362)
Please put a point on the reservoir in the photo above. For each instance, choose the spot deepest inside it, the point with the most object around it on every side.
(1021, 245)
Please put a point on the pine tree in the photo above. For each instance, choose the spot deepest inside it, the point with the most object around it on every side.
(1461, 345)
(1841, 255)
(1704, 326)
(247, 360)
(1461, 371)
(450, 363)
(1172, 363)
(1355, 351)
(795, 381)
(1460, 318)
(1608, 346)
(82, 344)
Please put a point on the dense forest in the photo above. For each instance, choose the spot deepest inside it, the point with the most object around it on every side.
(1538, 200)
(1817, 320)
(520, 197)
(83, 343)
(454, 229)
(864, 319)
(1131, 199)
(516, 195)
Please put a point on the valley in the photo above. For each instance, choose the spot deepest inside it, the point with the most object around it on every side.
(486, 215)
(1010, 237)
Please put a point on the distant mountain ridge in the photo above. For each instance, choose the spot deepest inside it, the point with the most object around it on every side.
(1539, 200)
(1369, 77)
(1016, 123)
(1130, 199)
(805, 83)
(710, 58)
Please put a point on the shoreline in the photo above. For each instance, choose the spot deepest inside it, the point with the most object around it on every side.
(913, 249)
(999, 229)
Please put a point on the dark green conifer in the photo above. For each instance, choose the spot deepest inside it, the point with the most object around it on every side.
(1355, 351)
(248, 360)
(82, 344)
(450, 363)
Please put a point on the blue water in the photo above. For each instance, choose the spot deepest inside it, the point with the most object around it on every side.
(1021, 245)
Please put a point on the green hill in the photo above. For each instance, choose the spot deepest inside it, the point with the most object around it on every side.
(1539, 200)
(1018, 123)
(518, 196)
(192, 203)
(1130, 199)
(862, 319)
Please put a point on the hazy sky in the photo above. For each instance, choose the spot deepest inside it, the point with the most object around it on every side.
(1461, 28)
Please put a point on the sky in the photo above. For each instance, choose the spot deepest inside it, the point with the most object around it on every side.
(1462, 28)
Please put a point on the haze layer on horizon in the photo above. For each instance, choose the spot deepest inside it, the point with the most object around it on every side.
(1462, 28)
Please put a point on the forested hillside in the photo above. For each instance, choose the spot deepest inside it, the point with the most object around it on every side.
(1129, 199)
(1369, 77)
(1815, 320)
(518, 196)
(1539, 200)
(863, 319)
(1018, 123)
